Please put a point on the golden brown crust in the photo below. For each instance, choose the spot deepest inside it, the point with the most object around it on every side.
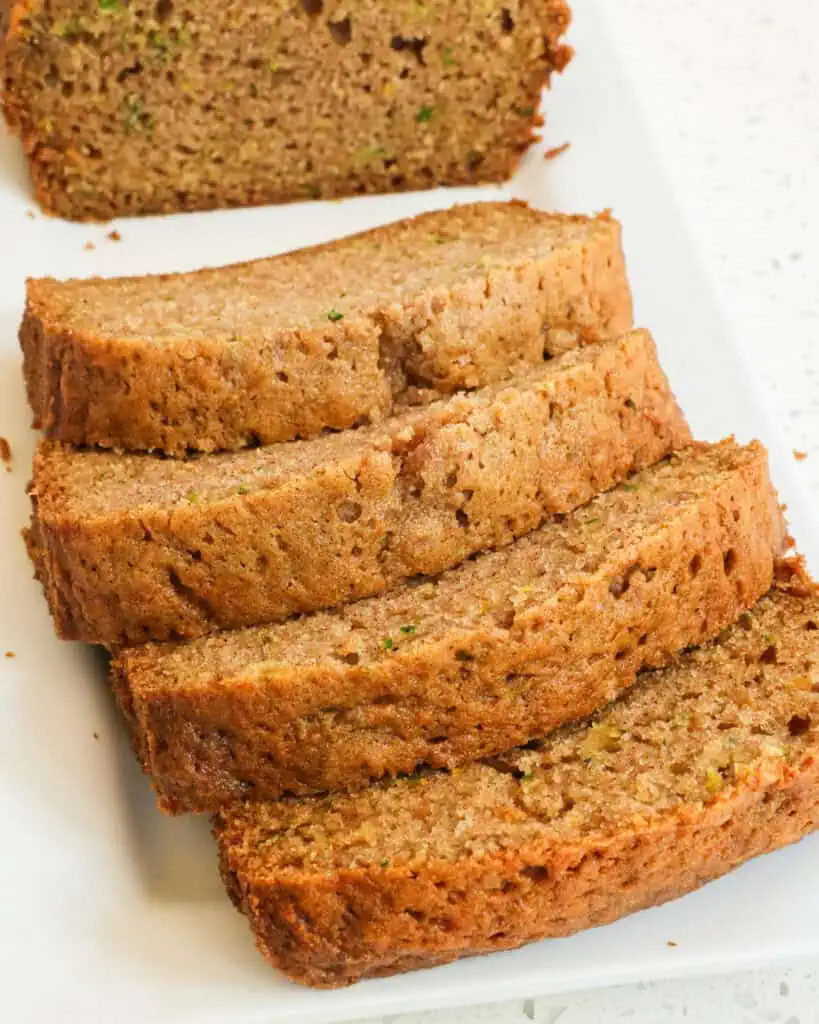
(5, 18)
(132, 548)
(304, 707)
(422, 95)
(207, 390)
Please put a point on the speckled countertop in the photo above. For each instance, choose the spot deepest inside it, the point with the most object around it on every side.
(730, 90)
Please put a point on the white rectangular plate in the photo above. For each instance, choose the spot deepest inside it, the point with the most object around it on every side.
(107, 909)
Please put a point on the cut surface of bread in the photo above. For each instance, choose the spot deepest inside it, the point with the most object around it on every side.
(128, 107)
(327, 337)
(132, 548)
(483, 658)
(696, 769)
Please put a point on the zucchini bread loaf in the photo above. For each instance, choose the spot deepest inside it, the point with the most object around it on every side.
(696, 769)
(127, 107)
(331, 336)
(133, 547)
(485, 657)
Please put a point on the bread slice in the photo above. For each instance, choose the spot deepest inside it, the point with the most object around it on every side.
(132, 547)
(128, 108)
(220, 359)
(491, 654)
(698, 768)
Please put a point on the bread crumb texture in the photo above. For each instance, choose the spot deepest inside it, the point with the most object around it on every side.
(133, 108)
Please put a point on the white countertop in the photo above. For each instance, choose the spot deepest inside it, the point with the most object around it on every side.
(730, 91)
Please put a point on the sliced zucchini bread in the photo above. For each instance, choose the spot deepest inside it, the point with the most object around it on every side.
(327, 337)
(134, 547)
(484, 657)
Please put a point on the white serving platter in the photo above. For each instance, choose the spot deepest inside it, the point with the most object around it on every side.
(110, 911)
